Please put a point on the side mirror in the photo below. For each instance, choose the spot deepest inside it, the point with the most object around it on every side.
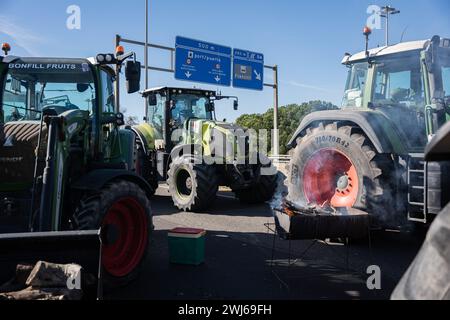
(432, 54)
(152, 101)
(133, 76)
(236, 105)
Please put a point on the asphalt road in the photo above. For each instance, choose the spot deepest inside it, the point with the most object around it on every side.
(239, 265)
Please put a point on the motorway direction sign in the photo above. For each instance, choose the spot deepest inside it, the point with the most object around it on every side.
(248, 70)
(200, 61)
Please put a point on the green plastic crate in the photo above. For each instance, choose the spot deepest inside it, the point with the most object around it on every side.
(187, 246)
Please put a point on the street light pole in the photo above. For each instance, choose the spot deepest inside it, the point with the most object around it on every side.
(386, 12)
(276, 147)
(146, 54)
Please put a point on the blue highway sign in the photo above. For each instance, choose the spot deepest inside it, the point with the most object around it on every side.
(200, 61)
(248, 70)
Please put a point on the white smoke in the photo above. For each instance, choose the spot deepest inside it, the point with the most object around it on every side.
(280, 193)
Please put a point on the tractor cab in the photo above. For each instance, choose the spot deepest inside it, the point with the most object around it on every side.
(174, 107)
(171, 109)
(409, 83)
(30, 88)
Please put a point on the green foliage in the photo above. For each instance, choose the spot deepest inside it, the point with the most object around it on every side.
(289, 116)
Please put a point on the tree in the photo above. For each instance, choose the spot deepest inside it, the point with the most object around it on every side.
(290, 117)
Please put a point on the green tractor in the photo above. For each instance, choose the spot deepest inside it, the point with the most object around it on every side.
(370, 154)
(183, 144)
(65, 163)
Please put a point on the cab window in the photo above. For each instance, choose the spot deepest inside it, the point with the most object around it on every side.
(399, 82)
(446, 80)
(156, 112)
(356, 83)
(107, 91)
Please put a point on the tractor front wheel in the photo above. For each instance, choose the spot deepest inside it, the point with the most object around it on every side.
(122, 211)
(193, 186)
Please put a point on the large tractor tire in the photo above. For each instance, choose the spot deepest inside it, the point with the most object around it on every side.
(338, 166)
(123, 211)
(261, 192)
(193, 187)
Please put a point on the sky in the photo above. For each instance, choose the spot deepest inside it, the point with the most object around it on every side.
(306, 39)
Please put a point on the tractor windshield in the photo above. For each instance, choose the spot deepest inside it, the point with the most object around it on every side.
(189, 106)
(356, 83)
(30, 87)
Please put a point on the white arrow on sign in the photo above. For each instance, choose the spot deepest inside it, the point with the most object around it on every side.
(217, 78)
(258, 76)
(188, 74)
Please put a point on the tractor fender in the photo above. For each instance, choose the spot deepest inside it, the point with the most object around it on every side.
(97, 179)
(376, 126)
(147, 136)
(193, 150)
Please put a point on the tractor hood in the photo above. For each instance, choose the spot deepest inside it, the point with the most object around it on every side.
(219, 139)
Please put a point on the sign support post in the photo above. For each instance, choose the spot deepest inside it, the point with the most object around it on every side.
(276, 148)
(276, 136)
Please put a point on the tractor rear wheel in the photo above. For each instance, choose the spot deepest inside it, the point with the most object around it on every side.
(122, 210)
(193, 187)
(338, 166)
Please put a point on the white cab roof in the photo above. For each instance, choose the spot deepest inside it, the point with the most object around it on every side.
(382, 51)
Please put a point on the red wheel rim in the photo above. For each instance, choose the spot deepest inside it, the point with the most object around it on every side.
(125, 225)
(330, 178)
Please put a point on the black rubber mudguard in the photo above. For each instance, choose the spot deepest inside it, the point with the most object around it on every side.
(78, 247)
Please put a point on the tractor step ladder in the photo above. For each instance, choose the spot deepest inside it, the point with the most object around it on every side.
(417, 188)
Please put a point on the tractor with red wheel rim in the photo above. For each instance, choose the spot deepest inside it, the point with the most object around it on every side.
(67, 164)
(370, 154)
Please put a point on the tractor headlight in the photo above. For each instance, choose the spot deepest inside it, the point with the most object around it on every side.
(106, 58)
(100, 58)
(109, 58)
